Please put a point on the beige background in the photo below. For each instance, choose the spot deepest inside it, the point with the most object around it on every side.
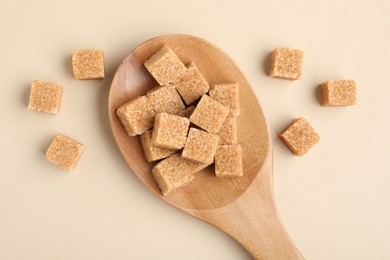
(334, 201)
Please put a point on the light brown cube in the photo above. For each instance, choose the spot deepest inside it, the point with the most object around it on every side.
(228, 161)
(299, 136)
(165, 66)
(192, 85)
(200, 146)
(165, 99)
(175, 172)
(286, 63)
(229, 95)
(64, 152)
(338, 93)
(228, 132)
(88, 64)
(209, 114)
(170, 131)
(186, 112)
(136, 116)
(153, 153)
(45, 97)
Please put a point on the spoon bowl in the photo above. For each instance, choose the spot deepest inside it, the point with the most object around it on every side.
(242, 207)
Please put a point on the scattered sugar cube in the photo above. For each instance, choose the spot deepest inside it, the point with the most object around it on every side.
(227, 94)
(228, 161)
(88, 64)
(209, 114)
(299, 136)
(170, 131)
(192, 85)
(175, 172)
(165, 99)
(338, 93)
(45, 97)
(286, 63)
(200, 146)
(64, 152)
(228, 132)
(153, 153)
(136, 116)
(165, 66)
(186, 112)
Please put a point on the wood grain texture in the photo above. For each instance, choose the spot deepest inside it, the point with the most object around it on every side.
(242, 207)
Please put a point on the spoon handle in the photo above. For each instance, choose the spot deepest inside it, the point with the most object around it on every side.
(253, 220)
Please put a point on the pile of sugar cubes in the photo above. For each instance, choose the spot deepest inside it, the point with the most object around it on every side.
(184, 122)
(46, 97)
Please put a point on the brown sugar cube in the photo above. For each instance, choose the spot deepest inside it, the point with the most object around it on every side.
(170, 131)
(165, 99)
(136, 116)
(88, 64)
(200, 146)
(286, 63)
(45, 97)
(227, 94)
(228, 161)
(186, 112)
(175, 172)
(338, 93)
(299, 136)
(228, 132)
(153, 153)
(209, 114)
(192, 85)
(165, 66)
(64, 152)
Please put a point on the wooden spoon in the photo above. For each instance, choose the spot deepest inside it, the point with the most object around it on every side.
(242, 207)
